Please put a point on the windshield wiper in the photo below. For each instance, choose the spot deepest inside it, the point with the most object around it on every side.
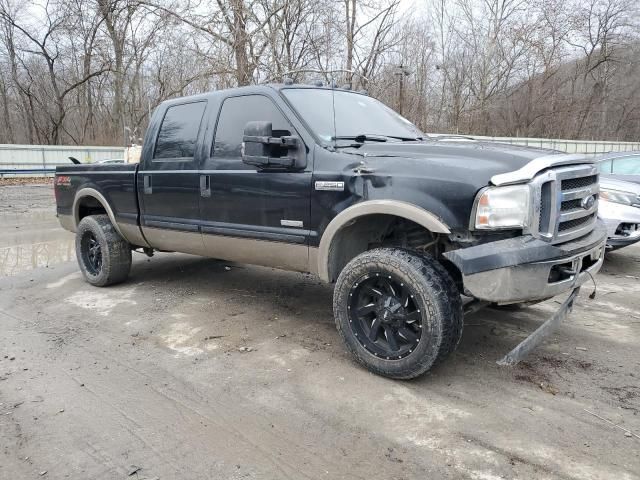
(367, 137)
(361, 138)
(405, 139)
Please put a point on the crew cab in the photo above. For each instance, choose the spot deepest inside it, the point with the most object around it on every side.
(333, 182)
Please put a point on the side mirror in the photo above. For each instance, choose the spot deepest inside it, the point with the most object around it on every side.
(261, 149)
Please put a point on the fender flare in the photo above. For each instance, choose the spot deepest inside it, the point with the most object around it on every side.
(374, 207)
(92, 192)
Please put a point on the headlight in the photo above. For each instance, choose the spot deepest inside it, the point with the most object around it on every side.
(502, 207)
(617, 196)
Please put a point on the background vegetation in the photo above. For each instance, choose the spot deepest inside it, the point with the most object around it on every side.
(90, 71)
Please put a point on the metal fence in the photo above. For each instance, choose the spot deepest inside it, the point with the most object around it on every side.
(39, 160)
(568, 146)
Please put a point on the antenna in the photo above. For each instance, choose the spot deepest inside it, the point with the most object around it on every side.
(333, 104)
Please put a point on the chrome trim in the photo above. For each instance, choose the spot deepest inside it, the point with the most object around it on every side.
(172, 172)
(578, 213)
(536, 165)
(329, 186)
(97, 172)
(580, 192)
(292, 223)
(530, 281)
(550, 232)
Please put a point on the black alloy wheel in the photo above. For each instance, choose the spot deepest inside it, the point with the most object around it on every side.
(104, 257)
(91, 253)
(384, 316)
(399, 312)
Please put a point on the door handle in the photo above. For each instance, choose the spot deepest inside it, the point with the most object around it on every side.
(205, 186)
(148, 189)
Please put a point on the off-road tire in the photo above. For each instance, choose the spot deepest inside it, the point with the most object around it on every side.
(436, 294)
(115, 251)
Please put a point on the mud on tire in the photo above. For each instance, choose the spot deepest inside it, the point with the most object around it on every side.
(399, 313)
(103, 255)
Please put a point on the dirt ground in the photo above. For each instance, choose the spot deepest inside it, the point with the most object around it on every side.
(149, 379)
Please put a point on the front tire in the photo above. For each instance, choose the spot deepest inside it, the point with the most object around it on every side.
(103, 255)
(399, 313)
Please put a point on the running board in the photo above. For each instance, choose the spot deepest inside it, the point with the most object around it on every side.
(532, 341)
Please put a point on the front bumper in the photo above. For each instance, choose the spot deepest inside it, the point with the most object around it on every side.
(524, 269)
(613, 215)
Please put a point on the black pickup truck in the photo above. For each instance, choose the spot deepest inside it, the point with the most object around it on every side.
(333, 182)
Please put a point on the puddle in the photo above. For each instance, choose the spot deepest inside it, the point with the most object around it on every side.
(32, 239)
(20, 258)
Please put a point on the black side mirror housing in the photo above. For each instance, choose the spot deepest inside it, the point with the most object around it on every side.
(261, 149)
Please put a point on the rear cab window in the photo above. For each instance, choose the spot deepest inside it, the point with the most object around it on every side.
(179, 131)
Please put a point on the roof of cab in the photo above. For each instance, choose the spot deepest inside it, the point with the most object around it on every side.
(250, 89)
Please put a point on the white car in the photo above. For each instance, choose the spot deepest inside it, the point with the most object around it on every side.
(619, 208)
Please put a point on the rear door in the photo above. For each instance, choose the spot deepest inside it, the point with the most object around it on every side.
(249, 215)
(168, 182)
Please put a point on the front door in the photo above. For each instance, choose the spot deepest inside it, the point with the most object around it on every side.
(249, 215)
(168, 182)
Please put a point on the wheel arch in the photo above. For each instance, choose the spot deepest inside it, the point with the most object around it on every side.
(87, 198)
(328, 267)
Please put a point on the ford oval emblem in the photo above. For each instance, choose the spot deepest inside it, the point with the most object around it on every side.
(588, 202)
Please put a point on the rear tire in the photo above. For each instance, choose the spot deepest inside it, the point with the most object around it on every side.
(103, 255)
(399, 313)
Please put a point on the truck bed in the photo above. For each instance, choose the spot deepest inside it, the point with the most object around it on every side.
(116, 183)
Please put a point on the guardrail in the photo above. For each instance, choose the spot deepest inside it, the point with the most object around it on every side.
(41, 160)
(568, 146)
(43, 172)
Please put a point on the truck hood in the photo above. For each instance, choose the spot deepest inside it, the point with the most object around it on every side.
(475, 162)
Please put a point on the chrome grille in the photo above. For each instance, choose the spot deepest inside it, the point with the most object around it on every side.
(572, 183)
(571, 204)
(559, 193)
(575, 223)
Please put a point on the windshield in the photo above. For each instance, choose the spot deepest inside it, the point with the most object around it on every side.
(355, 115)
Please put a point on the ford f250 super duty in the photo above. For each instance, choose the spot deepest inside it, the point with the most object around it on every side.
(412, 229)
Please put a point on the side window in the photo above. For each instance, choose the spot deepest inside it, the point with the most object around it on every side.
(179, 132)
(627, 165)
(236, 112)
(605, 166)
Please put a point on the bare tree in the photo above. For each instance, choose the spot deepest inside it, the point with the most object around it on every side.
(78, 71)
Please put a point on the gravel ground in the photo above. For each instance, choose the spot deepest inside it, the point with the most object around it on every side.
(6, 181)
(200, 369)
